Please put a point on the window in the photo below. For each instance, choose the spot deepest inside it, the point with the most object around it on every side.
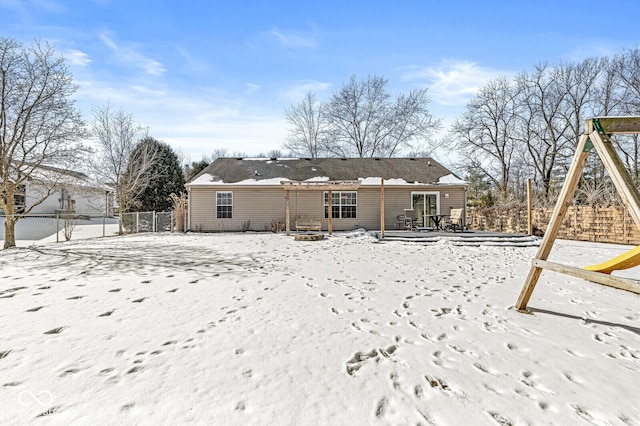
(224, 205)
(20, 199)
(66, 203)
(343, 205)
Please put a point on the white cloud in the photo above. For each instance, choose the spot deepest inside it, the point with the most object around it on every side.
(252, 87)
(49, 6)
(78, 58)
(290, 39)
(297, 92)
(451, 83)
(194, 122)
(130, 54)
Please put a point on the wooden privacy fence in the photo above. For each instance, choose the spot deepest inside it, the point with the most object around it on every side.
(611, 224)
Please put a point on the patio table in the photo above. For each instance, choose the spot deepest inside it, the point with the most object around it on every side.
(438, 220)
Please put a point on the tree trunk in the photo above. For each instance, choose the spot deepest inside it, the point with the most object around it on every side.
(9, 231)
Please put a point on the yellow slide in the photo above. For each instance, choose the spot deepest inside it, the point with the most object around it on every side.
(626, 260)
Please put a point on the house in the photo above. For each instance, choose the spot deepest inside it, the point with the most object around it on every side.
(51, 191)
(234, 194)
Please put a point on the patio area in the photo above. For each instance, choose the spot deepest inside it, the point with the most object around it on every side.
(466, 237)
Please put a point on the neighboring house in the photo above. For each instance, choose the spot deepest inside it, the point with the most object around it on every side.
(233, 194)
(69, 192)
(50, 193)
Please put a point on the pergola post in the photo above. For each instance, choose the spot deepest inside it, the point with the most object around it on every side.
(287, 221)
(330, 213)
(382, 208)
(329, 186)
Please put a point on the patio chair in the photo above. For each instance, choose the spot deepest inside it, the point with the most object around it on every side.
(455, 220)
(410, 219)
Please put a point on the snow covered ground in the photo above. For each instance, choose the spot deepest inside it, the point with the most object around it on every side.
(261, 329)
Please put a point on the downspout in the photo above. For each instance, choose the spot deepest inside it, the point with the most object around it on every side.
(188, 210)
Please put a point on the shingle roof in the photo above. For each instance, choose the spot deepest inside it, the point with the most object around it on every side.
(232, 170)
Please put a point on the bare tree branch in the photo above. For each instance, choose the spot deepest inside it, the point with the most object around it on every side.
(117, 135)
(40, 129)
(308, 131)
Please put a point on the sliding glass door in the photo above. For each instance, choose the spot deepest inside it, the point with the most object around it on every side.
(425, 203)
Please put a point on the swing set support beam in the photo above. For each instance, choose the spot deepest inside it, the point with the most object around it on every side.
(596, 136)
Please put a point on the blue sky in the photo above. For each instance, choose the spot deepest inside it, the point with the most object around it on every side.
(219, 74)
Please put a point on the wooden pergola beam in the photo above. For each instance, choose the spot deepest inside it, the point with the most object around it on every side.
(329, 186)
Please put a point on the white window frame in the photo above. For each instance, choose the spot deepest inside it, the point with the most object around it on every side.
(339, 205)
(221, 207)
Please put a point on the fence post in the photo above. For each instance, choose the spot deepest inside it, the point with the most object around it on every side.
(57, 228)
(529, 208)
(154, 220)
(172, 224)
(104, 225)
(137, 222)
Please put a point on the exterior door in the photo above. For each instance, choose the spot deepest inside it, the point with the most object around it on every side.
(425, 203)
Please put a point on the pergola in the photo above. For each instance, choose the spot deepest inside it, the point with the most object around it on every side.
(329, 186)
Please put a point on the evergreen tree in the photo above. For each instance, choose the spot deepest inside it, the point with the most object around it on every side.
(191, 170)
(165, 177)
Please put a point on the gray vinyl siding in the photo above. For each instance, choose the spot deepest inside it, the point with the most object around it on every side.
(255, 208)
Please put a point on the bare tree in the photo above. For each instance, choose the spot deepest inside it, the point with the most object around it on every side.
(309, 126)
(484, 135)
(218, 153)
(118, 162)
(626, 74)
(364, 121)
(40, 128)
(544, 129)
(627, 68)
(579, 83)
(224, 153)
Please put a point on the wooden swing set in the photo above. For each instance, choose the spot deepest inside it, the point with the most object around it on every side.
(596, 136)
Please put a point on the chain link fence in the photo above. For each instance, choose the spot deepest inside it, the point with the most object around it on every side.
(35, 229)
(152, 222)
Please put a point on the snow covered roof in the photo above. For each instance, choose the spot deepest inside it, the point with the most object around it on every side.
(369, 171)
